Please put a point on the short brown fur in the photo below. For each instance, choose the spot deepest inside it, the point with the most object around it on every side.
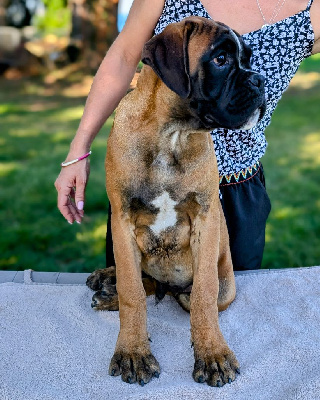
(149, 152)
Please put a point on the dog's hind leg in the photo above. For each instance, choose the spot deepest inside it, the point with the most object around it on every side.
(101, 277)
(103, 281)
(227, 286)
(225, 297)
(106, 299)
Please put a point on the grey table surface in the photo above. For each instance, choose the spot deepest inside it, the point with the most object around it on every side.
(67, 278)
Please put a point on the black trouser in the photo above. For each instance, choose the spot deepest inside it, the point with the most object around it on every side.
(246, 206)
(109, 244)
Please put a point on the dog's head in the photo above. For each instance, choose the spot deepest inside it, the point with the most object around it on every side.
(208, 65)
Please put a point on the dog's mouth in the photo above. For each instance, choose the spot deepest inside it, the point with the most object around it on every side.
(240, 104)
(212, 120)
(254, 118)
(233, 109)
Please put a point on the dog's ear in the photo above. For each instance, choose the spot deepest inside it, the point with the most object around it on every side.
(167, 55)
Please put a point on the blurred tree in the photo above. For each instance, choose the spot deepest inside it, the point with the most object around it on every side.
(91, 24)
(94, 28)
(55, 18)
(18, 14)
(3, 6)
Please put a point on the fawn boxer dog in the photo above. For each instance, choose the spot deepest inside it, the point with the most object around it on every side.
(163, 185)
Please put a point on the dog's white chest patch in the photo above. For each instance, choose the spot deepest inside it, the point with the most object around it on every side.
(167, 215)
(174, 140)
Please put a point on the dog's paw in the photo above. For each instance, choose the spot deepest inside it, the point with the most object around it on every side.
(134, 367)
(216, 369)
(106, 299)
(101, 277)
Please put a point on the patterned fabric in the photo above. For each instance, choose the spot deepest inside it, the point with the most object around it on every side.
(278, 50)
(238, 177)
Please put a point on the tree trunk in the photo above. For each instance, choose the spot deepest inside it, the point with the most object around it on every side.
(94, 28)
(105, 23)
(3, 6)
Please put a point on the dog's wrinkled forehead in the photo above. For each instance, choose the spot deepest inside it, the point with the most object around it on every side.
(179, 50)
(200, 43)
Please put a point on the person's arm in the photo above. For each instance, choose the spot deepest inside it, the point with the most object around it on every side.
(109, 86)
(315, 20)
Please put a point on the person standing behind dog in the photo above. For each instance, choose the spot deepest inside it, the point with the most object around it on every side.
(281, 34)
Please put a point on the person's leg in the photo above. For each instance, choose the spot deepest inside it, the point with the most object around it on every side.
(246, 207)
(109, 244)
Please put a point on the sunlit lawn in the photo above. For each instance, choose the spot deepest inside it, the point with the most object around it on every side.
(38, 121)
(292, 165)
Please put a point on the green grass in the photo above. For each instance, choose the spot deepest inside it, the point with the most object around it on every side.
(292, 167)
(37, 125)
(38, 121)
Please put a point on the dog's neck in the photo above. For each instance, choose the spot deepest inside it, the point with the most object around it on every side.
(159, 97)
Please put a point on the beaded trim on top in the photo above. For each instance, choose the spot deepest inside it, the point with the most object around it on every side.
(243, 175)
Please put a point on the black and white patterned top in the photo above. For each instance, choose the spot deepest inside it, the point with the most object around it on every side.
(278, 50)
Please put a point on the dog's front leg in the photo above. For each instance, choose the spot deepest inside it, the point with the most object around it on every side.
(132, 359)
(215, 363)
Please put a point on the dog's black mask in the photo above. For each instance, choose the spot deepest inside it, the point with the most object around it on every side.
(222, 90)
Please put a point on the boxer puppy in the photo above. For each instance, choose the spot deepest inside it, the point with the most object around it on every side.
(163, 185)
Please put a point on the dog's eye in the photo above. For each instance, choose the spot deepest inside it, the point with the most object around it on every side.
(220, 60)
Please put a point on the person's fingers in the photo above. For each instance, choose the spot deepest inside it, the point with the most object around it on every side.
(79, 196)
(73, 209)
(72, 193)
(71, 186)
(64, 204)
(67, 206)
(77, 214)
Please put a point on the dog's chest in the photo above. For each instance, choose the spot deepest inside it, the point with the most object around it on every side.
(170, 180)
(163, 203)
(166, 216)
(167, 160)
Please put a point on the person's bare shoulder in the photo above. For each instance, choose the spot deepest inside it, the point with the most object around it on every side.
(140, 24)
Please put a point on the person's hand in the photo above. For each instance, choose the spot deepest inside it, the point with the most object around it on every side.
(71, 184)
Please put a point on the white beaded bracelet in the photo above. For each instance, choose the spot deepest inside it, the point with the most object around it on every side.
(65, 164)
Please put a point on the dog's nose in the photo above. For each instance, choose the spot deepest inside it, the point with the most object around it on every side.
(256, 80)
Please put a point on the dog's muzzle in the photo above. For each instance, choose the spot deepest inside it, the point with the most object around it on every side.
(240, 104)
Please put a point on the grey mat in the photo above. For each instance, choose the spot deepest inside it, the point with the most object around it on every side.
(53, 346)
